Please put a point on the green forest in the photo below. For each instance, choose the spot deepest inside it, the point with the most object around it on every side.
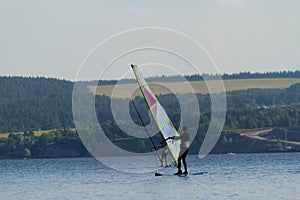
(31, 104)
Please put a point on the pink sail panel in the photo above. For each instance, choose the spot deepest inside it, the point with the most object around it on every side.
(151, 100)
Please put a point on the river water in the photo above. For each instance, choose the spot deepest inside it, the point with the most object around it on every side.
(240, 176)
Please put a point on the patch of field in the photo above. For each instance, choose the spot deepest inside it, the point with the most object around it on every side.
(36, 133)
(131, 90)
(4, 135)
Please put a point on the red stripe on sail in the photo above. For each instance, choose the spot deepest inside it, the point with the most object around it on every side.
(151, 100)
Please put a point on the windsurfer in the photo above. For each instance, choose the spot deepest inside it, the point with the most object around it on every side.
(184, 148)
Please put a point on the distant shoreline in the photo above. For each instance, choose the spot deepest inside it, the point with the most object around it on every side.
(249, 140)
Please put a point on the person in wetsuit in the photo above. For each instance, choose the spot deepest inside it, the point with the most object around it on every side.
(184, 148)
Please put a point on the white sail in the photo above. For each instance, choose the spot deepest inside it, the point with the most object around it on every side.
(159, 115)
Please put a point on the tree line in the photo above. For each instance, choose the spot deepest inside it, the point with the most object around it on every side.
(56, 143)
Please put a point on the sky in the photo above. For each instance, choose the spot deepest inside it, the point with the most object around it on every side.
(52, 38)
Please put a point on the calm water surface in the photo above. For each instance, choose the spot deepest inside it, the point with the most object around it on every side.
(240, 176)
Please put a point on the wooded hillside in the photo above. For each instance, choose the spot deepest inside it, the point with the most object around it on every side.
(30, 104)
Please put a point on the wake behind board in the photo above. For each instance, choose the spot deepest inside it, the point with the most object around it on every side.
(182, 175)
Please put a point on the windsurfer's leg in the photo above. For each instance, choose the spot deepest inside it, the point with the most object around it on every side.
(179, 164)
(184, 161)
(185, 166)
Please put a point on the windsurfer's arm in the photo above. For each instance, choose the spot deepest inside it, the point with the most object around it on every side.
(176, 138)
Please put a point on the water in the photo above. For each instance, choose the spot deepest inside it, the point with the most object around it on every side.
(241, 176)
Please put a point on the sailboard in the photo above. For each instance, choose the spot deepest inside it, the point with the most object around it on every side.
(159, 115)
(182, 175)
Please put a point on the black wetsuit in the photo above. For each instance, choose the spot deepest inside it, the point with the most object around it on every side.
(184, 148)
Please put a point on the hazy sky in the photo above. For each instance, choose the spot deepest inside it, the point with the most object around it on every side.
(51, 38)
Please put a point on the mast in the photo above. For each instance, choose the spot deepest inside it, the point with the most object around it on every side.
(141, 120)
